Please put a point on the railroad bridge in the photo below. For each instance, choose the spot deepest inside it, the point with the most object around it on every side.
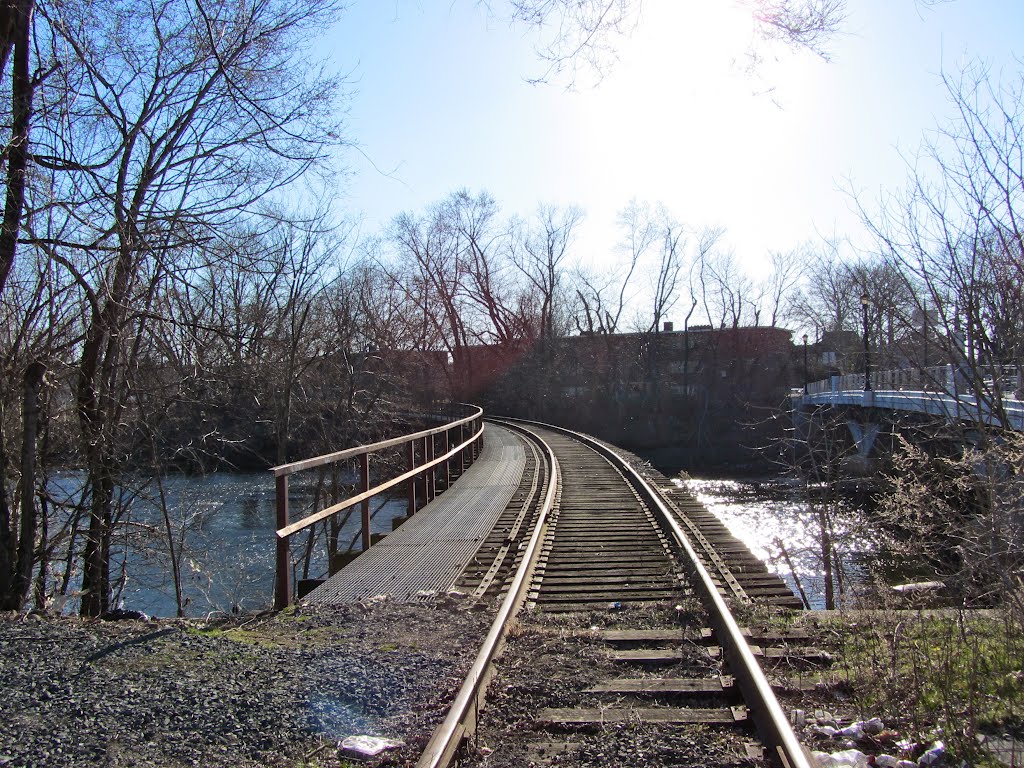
(533, 516)
(470, 537)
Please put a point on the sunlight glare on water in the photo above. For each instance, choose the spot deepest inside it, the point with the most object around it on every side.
(774, 520)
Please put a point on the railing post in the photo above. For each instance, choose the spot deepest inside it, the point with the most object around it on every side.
(426, 472)
(410, 455)
(432, 472)
(364, 472)
(283, 583)
(445, 447)
(462, 453)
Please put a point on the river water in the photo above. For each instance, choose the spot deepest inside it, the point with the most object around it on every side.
(222, 526)
(224, 530)
(780, 523)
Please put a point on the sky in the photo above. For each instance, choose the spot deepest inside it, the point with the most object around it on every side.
(440, 101)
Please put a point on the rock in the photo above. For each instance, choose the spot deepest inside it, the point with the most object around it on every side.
(863, 728)
(120, 614)
(919, 586)
(888, 761)
(874, 726)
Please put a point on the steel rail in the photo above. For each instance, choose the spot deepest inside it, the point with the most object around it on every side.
(445, 740)
(765, 710)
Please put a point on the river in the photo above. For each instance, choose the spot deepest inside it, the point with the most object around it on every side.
(779, 523)
(224, 527)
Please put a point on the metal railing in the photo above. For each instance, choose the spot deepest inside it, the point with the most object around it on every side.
(983, 396)
(460, 440)
(945, 379)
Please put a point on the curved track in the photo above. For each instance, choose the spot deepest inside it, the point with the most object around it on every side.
(599, 541)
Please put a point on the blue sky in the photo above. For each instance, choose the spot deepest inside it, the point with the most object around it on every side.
(440, 101)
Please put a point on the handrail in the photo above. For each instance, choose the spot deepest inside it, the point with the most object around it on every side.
(949, 379)
(351, 453)
(424, 439)
(326, 512)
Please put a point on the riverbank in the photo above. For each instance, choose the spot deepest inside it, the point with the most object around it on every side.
(268, 690)
(927, 677)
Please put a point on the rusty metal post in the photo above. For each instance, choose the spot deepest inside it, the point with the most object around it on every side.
(462, 453)
(364, 472)
(283, 583)
(445, 447)
(410, 456)
(423, 480)
(432, 474)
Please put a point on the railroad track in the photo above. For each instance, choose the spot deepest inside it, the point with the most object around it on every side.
(626, 652)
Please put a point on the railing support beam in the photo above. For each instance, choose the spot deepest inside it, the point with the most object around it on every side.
(364, 479)
(283, 582)
(410, 456)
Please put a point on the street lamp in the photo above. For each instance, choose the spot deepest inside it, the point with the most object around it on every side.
(805, 363)
(924, 334)
(867, 359)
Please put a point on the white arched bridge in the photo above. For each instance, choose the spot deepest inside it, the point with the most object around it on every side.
(973, 397)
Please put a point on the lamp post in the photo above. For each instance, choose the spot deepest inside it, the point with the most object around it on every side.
(924, 334)
(805, 363)
(867, 360)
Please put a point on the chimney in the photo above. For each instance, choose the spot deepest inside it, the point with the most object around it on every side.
(668, 327)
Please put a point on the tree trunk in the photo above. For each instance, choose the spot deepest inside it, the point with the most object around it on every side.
(29, 521)
(17, 150)
(18, 548)
(96, 573)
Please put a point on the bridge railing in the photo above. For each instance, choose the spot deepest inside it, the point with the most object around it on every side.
(427, 453)
(944, 379)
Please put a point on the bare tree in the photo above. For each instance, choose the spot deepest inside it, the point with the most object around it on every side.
(954, 236)
(15, 38)
(828, 300)
(669, 267)
(727, 294)
(584, 34)
(454, 266)
(539, 254)
(602, 299)
(781, 286)
(171, 120)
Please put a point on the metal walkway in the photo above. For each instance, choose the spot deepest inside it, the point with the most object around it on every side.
(430, 550)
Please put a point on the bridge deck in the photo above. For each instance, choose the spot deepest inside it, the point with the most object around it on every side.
(430, 550)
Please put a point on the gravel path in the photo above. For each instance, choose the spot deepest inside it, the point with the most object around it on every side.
(274, 690)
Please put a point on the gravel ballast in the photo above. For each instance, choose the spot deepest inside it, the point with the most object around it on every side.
(272, 690)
